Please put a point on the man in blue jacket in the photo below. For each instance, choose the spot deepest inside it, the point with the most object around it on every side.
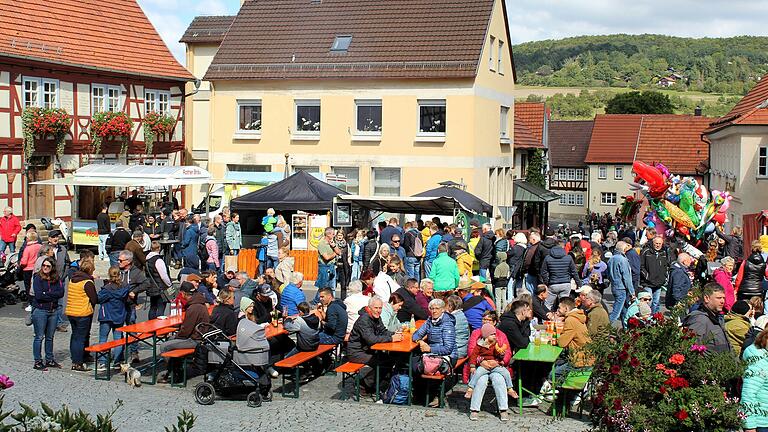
(189, 245)
(431, 248)
(292, 294)
(634, 263)
(621, 281)
(333, 314)
(679, 282)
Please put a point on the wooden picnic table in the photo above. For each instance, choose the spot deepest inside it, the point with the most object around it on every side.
(535, 353)
(404, 346)
(151, 327)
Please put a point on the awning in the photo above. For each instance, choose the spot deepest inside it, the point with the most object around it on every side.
(469, 201)
(528, 192)
(397, 204)
(132, 175)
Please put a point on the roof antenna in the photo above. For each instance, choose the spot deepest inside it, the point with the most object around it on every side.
(293, 57)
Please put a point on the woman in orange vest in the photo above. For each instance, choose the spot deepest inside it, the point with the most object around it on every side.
(81, 297)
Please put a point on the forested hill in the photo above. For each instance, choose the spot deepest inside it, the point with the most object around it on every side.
(712, 65)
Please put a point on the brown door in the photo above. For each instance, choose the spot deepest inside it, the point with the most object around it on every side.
(40, 196)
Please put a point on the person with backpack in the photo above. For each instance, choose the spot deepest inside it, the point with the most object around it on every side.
(159, 281)
(211, 250)
(414, 251)
(368, 331)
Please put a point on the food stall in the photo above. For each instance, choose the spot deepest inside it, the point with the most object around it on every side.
(95, 184)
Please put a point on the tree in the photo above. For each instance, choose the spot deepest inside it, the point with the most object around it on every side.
(647, 102)
(535, 172)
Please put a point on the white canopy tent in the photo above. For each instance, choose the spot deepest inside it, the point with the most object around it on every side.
(133, 175)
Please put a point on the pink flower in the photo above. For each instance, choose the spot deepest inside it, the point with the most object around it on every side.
(660, 367)
(699, 348)
(5, 382)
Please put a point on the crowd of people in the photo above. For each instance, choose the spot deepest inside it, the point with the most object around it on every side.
(482, 296)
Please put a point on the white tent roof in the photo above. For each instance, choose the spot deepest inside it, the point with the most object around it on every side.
(132, 175)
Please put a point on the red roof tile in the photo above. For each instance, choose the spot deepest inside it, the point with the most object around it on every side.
(532, 114)
(524, 137)
(106, 35)
(279, 39)
(614, 138)
(207, 29)
(568, 142)
(752, 109)
(674, 141)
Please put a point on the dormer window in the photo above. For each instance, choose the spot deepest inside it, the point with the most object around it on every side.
(341, 43)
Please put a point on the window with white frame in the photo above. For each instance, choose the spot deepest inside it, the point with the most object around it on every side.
(41, 92)
(308, 116)
(105, 98)
(310, 169)
(572, 199)
(492, 47)
(608, 198)
(504, 122)
(158, 101)
(368, 116)
(249, 115)
(602, 172)
(618, 173)
(500, 58)
(353, 178)
(576, 174)
(432, 115)
(386, 181)
(248, 168)
(762, 162)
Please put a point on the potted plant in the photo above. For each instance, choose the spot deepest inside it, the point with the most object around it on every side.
(156, 125)
(43, 122)
(114, 125)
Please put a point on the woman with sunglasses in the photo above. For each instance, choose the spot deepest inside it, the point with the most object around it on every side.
(634, 309)
(47, 289)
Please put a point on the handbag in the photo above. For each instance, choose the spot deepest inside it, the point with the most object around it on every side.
(431, 364)
(168, 293)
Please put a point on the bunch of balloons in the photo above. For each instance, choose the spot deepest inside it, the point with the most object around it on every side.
(680, 205)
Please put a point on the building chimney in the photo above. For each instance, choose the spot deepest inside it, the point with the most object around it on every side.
(697, 111)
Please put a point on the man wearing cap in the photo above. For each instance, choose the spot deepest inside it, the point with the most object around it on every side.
(9, 229)
(196, 313)
(474, 304)
(237, 293)
(263, 304)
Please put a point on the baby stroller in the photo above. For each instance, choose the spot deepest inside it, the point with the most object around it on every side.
(10, 293)
(235, 372)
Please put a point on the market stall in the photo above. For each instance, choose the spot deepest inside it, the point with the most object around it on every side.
(95, 184)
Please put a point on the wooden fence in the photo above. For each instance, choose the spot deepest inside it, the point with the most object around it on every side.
(306, 262)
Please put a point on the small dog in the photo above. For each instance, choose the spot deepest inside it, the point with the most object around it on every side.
(132, 375)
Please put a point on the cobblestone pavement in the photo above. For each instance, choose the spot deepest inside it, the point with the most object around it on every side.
(151, 408)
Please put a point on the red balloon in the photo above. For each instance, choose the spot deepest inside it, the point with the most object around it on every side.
(657, 183)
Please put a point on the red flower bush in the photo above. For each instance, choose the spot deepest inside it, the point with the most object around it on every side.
(156, 125)
(43, 122)
(677, 382)
(681, 415)
(117, 125)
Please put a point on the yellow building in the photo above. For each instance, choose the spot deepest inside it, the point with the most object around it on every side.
(396, 96)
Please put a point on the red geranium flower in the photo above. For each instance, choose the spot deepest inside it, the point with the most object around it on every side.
(615, 369)
(617, 404)
(623, 356)
(677, 359)
(660, 367)
(663, 390)
(681, 415)
(634, 362)
(659, 317)
(671, 372)
(633, 322)
(677, 382)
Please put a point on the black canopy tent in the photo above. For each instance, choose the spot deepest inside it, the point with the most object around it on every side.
(439, 205)
(467, 200)
(301, 191)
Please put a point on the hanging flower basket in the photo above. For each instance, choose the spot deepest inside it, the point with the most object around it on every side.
(108, 124)
(156, 125)
(42, 122)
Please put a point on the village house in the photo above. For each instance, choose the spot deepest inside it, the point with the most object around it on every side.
(569, 174)
(739, 158)
(619, 139)
(85, 58)
(395, 96)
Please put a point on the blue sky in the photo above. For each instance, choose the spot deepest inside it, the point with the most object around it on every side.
(540, 19)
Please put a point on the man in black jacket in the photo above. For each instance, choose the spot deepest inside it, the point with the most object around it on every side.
(368, 331)
(654, 268)
(515, 323)
(117, 241)
(104, 228)
(556, 272)
(734, 245)
(484, 251)
(543, 249)
(540, 310)
(410, 308)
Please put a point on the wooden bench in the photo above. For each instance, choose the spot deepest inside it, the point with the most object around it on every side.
(295, 362)
(105, 350)
(183, 354)
(575, 381)
(442, 379)
(348, 370)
